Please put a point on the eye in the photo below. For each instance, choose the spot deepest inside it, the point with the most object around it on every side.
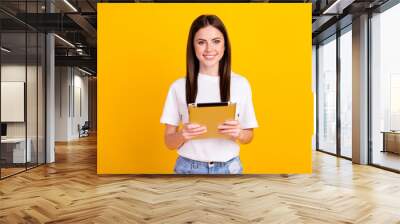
(200, 42)
(217, 41)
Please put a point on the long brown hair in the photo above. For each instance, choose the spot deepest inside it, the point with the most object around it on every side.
(192, 63)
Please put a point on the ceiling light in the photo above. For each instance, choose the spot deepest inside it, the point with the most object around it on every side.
(84, 71)
(64, 40)
(70, 5)
(5, 50)
(338, 6)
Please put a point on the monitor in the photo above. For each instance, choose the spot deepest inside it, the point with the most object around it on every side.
(3, 129)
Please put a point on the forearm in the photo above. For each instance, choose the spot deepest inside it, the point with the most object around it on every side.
(245, 136)
(174, 140)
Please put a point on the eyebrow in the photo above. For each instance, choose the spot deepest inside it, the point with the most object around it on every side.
(211, 39)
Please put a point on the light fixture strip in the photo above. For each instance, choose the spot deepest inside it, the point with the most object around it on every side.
(64, 40)
(70, 5)
(331, 7)
(5, 50)
(86, 72)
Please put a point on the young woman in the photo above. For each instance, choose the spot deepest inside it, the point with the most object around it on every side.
(208, 79)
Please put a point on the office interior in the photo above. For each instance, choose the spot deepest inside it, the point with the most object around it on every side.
(354, 67)
(48, 79)
(48, 82)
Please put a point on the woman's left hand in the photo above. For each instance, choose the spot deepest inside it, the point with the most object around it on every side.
(230, 128)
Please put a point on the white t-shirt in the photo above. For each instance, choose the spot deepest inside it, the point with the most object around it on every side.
(211, 149)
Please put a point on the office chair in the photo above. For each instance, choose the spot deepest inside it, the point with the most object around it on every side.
(84, 130)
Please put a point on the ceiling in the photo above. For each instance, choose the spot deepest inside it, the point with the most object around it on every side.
(76, 22)
(329, 16)
(72, 20)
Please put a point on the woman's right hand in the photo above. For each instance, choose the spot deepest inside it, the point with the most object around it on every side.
(191, 130)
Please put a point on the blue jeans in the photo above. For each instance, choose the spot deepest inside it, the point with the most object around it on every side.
(184, 165)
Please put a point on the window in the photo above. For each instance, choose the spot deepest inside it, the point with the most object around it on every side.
(385, 88)
(327, 95)
(346, 93)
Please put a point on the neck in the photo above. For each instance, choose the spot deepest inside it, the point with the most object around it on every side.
(209, 70)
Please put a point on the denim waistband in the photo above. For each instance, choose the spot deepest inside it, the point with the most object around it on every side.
(200, 163)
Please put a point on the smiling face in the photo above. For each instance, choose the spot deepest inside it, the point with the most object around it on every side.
(209, 46)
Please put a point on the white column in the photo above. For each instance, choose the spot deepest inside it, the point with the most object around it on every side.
(360, 90)
(50, 100)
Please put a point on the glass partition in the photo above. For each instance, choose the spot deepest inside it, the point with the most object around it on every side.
(346, 93)
(327, 95)
(22, 88)
(14, 154)
(385, 89)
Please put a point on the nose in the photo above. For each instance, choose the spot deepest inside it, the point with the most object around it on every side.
(209, 47)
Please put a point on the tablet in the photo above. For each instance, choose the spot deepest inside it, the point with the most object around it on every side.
(211, 115)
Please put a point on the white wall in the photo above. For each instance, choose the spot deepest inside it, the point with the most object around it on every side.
(12, 101)
(16, 73)
(81, 82)
(70, 84)
(62, 78)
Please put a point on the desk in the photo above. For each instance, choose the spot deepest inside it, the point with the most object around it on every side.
(391, 141)
(15, 148)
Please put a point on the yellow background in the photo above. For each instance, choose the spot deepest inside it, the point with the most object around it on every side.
(141, 51)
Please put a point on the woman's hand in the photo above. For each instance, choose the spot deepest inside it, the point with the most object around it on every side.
(235, 132)
(191, 130)
(230, 128)
(175, 139)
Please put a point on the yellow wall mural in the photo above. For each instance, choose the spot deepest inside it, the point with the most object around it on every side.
(142, 51)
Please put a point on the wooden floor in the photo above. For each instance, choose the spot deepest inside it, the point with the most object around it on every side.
(70, 191)
(5, 172)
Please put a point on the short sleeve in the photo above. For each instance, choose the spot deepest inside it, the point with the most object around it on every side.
(170, 114)
(247, 118)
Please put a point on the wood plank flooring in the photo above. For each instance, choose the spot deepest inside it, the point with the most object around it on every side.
(10, 171)
(70, 191)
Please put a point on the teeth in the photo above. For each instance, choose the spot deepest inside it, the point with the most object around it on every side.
(209, 56)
